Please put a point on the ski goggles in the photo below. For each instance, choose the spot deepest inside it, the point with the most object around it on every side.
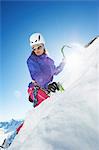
(38, 47)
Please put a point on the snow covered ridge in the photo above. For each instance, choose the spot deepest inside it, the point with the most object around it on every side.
(68, 120)
(93, 42)
(10, 125)
(7, 128)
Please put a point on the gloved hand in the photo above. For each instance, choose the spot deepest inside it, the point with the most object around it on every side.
(53, 87)
(35, 84)
(64, 60)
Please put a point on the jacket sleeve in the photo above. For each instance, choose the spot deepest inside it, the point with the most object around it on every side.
(31, 66)
(59, 68)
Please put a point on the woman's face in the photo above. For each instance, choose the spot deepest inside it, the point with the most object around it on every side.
(38, 49)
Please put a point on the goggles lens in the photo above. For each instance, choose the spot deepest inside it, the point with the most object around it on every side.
(40, 47)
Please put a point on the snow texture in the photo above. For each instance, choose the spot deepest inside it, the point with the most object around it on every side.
(68, 120)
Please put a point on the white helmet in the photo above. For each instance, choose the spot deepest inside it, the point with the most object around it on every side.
(36, 38)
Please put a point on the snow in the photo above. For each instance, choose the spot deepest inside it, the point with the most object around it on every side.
(68, 120)
(4, 135)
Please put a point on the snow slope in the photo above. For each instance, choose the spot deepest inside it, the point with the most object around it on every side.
(68, 120)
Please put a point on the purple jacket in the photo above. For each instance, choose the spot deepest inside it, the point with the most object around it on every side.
(42, 69)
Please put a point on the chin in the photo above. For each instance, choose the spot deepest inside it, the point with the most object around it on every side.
(38, 54)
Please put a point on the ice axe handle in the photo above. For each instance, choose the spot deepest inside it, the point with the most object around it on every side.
(62, 51)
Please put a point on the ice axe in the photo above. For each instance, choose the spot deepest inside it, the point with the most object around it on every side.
(62, 49)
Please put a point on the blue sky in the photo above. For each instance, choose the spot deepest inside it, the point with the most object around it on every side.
(59, 22)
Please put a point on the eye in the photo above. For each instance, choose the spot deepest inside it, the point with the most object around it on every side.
(36, 41)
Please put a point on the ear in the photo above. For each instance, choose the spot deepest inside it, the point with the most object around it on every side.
(39, 38)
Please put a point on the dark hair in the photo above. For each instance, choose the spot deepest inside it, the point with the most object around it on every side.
(33, 53)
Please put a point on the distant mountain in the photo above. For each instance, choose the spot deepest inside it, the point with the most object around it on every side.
(11, 125)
